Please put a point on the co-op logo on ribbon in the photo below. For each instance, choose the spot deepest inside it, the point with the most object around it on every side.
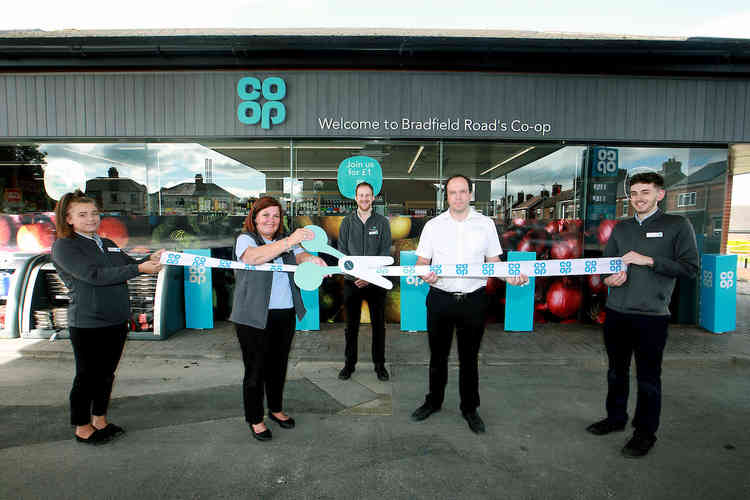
(270, 111)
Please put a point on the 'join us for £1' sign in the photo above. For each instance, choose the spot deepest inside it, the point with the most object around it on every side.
(252, 111)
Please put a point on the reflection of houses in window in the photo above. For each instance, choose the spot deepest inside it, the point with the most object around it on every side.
(529, 208)
(686, 199)
(565, 205)
(560, 205)
(700, 198)
(196, 197)
(546, 209)
(115, 194)
(671, 170)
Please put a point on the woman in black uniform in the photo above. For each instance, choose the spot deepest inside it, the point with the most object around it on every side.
(96, 272)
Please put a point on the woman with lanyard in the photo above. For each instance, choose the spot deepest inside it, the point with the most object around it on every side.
(264, 310)
(95, 271)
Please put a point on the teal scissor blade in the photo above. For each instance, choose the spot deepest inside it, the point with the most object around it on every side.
(309, 276)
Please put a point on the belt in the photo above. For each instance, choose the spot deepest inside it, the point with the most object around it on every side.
(458, 296)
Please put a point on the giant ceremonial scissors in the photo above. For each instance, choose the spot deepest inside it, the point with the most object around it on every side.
(309, 276)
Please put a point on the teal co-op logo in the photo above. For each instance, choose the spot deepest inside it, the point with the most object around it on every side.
(270, 111)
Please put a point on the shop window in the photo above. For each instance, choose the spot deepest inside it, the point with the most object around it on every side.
(686, 199)
(197, 195)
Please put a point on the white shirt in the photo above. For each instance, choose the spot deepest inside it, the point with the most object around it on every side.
(641, 221)
(444, 240)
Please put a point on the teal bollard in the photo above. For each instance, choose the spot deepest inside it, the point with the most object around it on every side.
(718, 293)
(519, 300)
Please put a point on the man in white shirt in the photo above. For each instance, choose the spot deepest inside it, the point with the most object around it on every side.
(457, 236)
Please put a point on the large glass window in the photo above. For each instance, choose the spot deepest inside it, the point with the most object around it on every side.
(556, 201)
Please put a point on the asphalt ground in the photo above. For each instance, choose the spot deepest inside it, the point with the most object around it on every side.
(180, 401)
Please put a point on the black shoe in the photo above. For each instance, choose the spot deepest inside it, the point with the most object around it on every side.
(605, 426)
(284, 424)
(638, 446)
(112, 430)
(423, 412)
(96, 437)
(261, 436)
(475, 422)
(346, 372)
(381, 372)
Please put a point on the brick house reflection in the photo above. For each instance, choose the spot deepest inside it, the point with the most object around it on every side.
(115, 194)
(544, 207)
(698, 196)
(196, 197)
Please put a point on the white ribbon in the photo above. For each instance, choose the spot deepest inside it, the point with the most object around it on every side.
(531, 268)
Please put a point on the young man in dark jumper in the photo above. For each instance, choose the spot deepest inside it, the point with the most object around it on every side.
(657, 248)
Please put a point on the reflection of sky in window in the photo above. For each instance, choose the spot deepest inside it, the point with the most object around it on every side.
(692, 159)
(557, 168)
(159, 165)
(561, 167)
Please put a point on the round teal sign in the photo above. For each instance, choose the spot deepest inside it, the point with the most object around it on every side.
(358, 169)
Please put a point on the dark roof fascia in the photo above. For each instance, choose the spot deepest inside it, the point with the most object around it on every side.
(692, 56)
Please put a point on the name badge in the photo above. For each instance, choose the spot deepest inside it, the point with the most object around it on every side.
(113, 249)
(373, 231)
(654, 235)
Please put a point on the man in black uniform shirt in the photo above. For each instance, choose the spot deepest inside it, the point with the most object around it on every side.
(658, 248)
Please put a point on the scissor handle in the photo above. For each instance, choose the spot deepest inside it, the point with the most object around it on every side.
(320, 242)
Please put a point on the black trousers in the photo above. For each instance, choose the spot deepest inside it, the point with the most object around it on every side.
(642, 337)
(375, 297)
(97, 353)
(467, 316)
(265, 353)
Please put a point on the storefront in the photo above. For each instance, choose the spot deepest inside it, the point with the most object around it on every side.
(175, 146)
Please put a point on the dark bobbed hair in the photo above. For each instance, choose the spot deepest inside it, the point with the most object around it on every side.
(364, 183)
(458, 176)
(65, 230)
(261, 204)
(648, 178)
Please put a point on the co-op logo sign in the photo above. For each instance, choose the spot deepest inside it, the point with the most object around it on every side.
(726, 279)
(605, 162)
(261, 101)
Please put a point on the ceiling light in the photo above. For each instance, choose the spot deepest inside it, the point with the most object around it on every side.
(508, 159)
(416, 157)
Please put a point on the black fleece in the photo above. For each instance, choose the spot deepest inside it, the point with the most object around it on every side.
(97, 280)
(370, 239)
(668, 239)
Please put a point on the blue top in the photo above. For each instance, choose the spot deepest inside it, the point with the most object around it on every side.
(281, 293)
